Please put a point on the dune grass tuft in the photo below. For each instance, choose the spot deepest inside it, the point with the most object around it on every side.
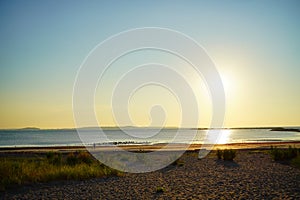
(284, 154)
(160, 190)
(226, 154)
(178, 162)
(296, 162)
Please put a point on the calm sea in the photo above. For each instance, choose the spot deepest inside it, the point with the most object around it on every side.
(70, 137)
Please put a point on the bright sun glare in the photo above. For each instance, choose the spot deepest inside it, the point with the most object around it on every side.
(224, 136)
(227, 82)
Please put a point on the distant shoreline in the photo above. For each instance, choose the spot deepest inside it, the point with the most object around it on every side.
(171, 147)
(44, 139)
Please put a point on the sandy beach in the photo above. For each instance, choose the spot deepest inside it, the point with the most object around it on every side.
(252, 175)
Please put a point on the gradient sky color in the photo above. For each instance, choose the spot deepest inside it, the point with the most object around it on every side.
(255, 46)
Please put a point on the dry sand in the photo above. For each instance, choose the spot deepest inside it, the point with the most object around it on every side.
(253, 175)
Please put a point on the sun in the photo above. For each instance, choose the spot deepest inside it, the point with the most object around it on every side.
(228, 82)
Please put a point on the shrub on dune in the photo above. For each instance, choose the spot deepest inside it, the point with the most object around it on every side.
(226, 154)
(284, 154)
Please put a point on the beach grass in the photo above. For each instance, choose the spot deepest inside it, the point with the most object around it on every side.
(284, 154)
(55, 166)
(178, 162)
(160, 189)
(226, 154)
(296, 162)
(290, 155)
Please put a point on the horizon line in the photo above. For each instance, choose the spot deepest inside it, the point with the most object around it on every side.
(154, 127)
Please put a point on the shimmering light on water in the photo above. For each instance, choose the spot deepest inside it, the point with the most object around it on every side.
(224, 136)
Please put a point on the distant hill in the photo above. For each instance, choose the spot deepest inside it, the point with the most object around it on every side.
(29, 129)
(285, 129)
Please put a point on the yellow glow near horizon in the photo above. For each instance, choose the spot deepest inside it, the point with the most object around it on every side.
(259, 66)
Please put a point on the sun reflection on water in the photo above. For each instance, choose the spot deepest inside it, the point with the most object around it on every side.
(224, 136)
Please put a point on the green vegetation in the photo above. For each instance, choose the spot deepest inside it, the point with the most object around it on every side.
(160, 190)
(219, 153)
(178, 162)
(55, 166)
(226, 154)
(296, 161)
(290, 155)
(54, 158)
(284, 154)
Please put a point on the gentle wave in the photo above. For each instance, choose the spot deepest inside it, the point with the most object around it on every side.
(70, 137)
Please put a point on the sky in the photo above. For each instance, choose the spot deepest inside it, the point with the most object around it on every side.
(254, 44)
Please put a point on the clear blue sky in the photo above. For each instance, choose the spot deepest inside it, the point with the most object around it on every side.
(255, 45)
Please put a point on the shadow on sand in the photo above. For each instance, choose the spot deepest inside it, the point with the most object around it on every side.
(225, 163)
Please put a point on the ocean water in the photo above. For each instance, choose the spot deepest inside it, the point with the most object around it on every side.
(70, 137)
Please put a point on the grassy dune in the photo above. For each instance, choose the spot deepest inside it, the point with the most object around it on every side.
(53, 166)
